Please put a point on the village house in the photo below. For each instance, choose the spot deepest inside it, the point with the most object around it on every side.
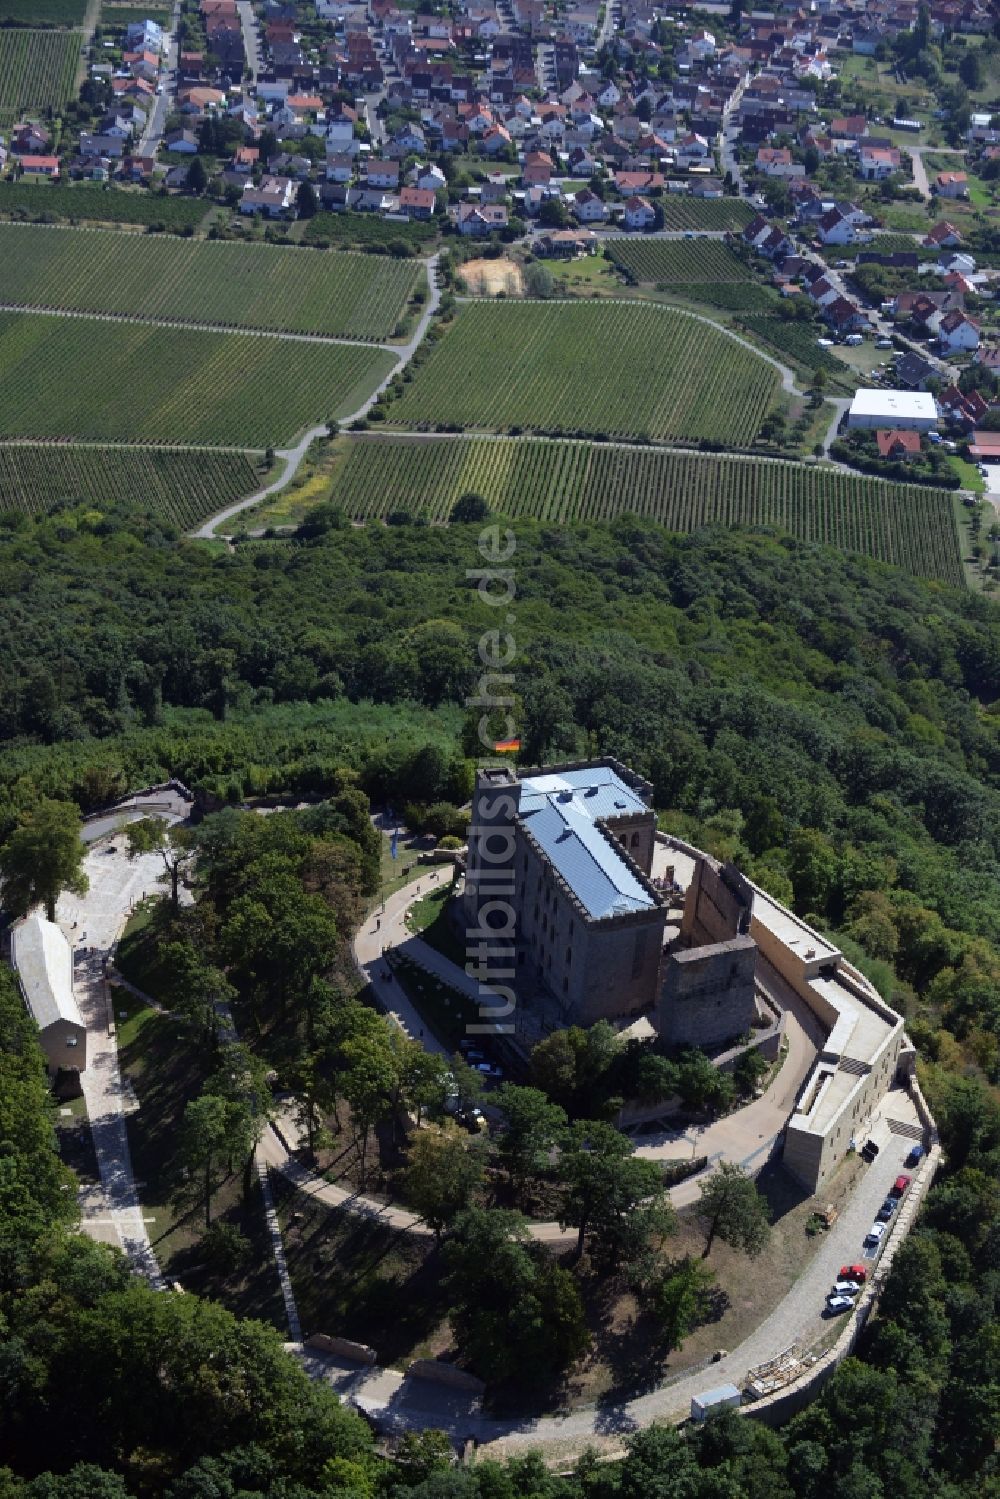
(185, 142)
(479, 219)
(639, 213)
(274, 198)
(835, 228)
(589, 208)
(957, 332)
(417, 202)
(40, 168)
(875, 163)
(951, 185)
(942, 235)
(776, 161)
(897, 444)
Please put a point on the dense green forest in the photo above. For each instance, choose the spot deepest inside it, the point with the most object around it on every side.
(828, 722)
(109, 1389)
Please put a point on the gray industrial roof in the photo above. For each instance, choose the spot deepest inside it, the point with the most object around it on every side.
(559, 811)
(44, 962)
(602, 792)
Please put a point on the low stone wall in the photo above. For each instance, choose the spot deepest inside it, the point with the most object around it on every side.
(322, 1342)
(775, 1409)
(441, 1373)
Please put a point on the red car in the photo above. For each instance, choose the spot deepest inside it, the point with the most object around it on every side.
(900, 1185)
(853, 1272)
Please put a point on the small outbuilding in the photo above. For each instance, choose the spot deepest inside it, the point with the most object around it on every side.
(43, 961)
(901, 410)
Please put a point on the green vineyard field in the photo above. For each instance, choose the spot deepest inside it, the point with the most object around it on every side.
(121, 382)
(794, 340)
(115, 17)
(43, 12)
(908, 525)
(682, 212)
(681, 260)
(106, 205)
(366, 229)
(204, 281)
(182, 487)
(614, 368)
(37, 69)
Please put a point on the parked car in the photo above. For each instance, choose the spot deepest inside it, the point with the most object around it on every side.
(887, 1209)
(874, 1235)
(934, 437)
(883, 343)
(869, 1151)
(825, 343)
(853, 1272)
(838, 1304)
(915, 1156)
(846, 1288)
(900, 1185)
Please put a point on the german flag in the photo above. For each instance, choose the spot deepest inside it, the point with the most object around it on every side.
(507, 746)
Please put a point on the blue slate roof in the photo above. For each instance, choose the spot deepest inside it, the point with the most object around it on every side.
(560, 811)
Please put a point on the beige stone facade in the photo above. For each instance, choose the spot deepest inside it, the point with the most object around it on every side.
(560, 892)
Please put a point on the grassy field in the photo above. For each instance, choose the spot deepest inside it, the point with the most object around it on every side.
(198, 281)
(106, 205)
(117, 382)
(677, 260)
(905, 524)
(37, 69)
(621, 368)
(682, 212)
(43, 12)
(182, 487)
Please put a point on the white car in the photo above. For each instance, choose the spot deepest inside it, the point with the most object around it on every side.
(874, 1235)
(825, 343)
(839, 1304)
(846, 1288)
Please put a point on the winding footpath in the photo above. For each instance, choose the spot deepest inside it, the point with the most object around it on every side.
(397, 1402)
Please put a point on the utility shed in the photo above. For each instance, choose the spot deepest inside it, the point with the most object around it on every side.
(43, 960)
(726, 1397)
(906, 410)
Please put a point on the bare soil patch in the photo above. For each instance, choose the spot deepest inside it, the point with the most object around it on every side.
(485, 278)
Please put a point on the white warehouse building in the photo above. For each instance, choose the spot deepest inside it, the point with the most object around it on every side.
(43, 960)
(909, 410)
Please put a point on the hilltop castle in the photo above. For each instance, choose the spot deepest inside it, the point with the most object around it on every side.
(610, 919)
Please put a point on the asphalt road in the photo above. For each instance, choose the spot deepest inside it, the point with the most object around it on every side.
(251, 37)
(152, 136)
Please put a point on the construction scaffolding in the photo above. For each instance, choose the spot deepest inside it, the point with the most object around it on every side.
(778, 1372)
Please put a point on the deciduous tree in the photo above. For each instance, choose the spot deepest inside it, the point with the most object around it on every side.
(731, 1206)
(42, 858)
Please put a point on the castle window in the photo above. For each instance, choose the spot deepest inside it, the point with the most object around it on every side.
(565, 986)
(635, 840)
